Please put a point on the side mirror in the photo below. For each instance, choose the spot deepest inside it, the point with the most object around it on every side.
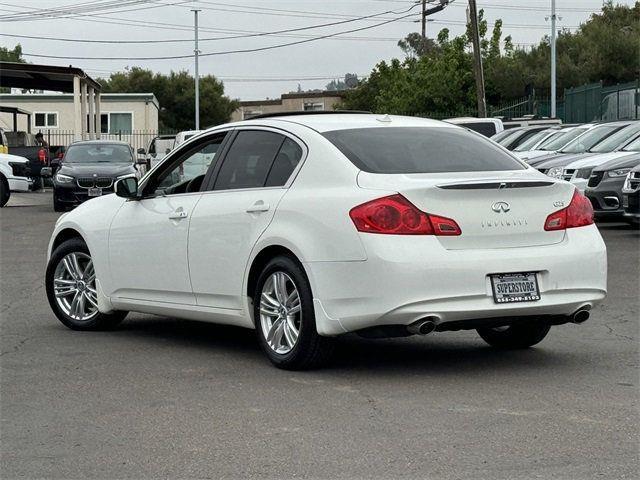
(46, 172)
(142, 151)
(127, 187)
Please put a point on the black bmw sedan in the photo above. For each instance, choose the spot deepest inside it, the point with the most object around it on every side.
(89, 169)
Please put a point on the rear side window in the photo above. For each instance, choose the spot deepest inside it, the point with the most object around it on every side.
(285, 163)
(420, 150)
(488, 129)
(249, 160)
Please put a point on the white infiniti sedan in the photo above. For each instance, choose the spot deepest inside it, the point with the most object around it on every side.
(306, 227)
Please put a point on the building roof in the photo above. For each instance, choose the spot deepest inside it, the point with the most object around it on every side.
(42, 77)
(68, 97)
(287, 96)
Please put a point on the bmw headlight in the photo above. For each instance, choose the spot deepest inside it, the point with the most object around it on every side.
(555, 172)
(621, 172)
(60, 178)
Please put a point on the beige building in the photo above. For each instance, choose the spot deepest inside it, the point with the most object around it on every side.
(120, 113)
(288, 102)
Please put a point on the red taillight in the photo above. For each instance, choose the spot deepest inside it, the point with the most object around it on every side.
(578, 214)
(398, 216)
(42, 156)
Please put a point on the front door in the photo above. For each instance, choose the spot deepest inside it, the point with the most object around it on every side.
(230, 218)
(148, 237)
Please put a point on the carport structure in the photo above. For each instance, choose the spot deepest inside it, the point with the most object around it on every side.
(86, 91)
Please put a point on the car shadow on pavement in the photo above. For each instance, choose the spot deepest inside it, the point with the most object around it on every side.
(438, 353)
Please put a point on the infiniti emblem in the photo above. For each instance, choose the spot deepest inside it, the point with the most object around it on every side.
(501, 207)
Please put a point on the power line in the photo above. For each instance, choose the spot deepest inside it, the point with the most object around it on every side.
(229, 52)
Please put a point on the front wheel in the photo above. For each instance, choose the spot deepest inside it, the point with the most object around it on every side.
(285, 318)
(514, 336)
(71, 289)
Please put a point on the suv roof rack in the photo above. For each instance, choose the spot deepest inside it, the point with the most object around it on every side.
(309, 112)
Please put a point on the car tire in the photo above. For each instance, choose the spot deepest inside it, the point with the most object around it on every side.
(514, 336)
(285, 322)
(58, 206)
(5, 192)
(70, 285)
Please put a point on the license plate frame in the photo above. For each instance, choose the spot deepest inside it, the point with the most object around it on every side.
(498, 279)
(94, 192)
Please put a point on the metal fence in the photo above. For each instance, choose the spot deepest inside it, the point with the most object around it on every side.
(591, 102)
(136, 138)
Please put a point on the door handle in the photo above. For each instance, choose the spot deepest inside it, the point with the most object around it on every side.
(178, 215)
(258, 207)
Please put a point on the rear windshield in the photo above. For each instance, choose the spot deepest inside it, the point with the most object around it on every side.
(98, 153)
(420, 150)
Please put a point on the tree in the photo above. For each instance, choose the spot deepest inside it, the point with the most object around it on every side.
(176, 93)
(350, 81)
(15, 55)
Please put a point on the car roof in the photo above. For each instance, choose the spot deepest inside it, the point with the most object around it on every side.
(100, 142)
(343, 121)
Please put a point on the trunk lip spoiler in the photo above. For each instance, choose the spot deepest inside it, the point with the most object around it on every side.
(496, 185)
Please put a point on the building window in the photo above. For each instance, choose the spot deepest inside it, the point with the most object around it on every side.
(120, 122)
(45, 119)
(104, 123)
(313, 107)
(247, 114)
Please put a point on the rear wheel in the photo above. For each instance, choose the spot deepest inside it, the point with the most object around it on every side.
(514, 336)
(71, 289)
(5, 193)
(285, 318)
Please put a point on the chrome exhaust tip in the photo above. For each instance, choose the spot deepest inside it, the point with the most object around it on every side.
(422, 327)
(580, 316)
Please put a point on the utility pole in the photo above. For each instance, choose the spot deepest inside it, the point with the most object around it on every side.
(197, 73)
(553, 58)
(477, 59)
(424, 20)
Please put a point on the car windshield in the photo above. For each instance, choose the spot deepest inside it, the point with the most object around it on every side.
(618, 139)
(532, 140)
(403, 150)
(98, 153)
(634, 146)
(590, 139)
(557, 142)
(505, 134)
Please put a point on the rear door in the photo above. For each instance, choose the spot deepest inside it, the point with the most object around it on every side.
(242, 198)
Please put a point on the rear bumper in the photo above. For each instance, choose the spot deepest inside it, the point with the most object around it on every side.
(407, 278)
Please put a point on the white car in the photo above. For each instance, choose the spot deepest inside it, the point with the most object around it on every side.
(554, 143)
(307, 227)
(13, 176)
(182, 137)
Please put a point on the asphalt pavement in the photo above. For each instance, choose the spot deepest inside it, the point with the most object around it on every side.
(162, 397)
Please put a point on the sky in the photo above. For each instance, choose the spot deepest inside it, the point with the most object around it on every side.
(258, 74)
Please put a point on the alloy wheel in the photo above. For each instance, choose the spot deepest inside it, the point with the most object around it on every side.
(74, 285)
(280, 312)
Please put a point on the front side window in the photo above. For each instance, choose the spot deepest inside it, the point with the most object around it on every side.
(421, 150)
(186, 174)
(249, 160)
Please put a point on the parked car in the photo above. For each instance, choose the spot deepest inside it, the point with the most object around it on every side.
(605, 184)
(306, 227)
(158, 148)
(182, 137)
(24, 144)
(631, 196)
(553, 144)
(88, 170)
(537, 139)
(578, 172)
(484, 126)
(14, 176)
(519, 136)
(553, 165)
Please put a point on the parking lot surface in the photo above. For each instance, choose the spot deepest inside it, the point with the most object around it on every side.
(161, 397)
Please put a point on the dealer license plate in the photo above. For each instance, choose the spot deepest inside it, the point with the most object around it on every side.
(95, 192)
(515, 287)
